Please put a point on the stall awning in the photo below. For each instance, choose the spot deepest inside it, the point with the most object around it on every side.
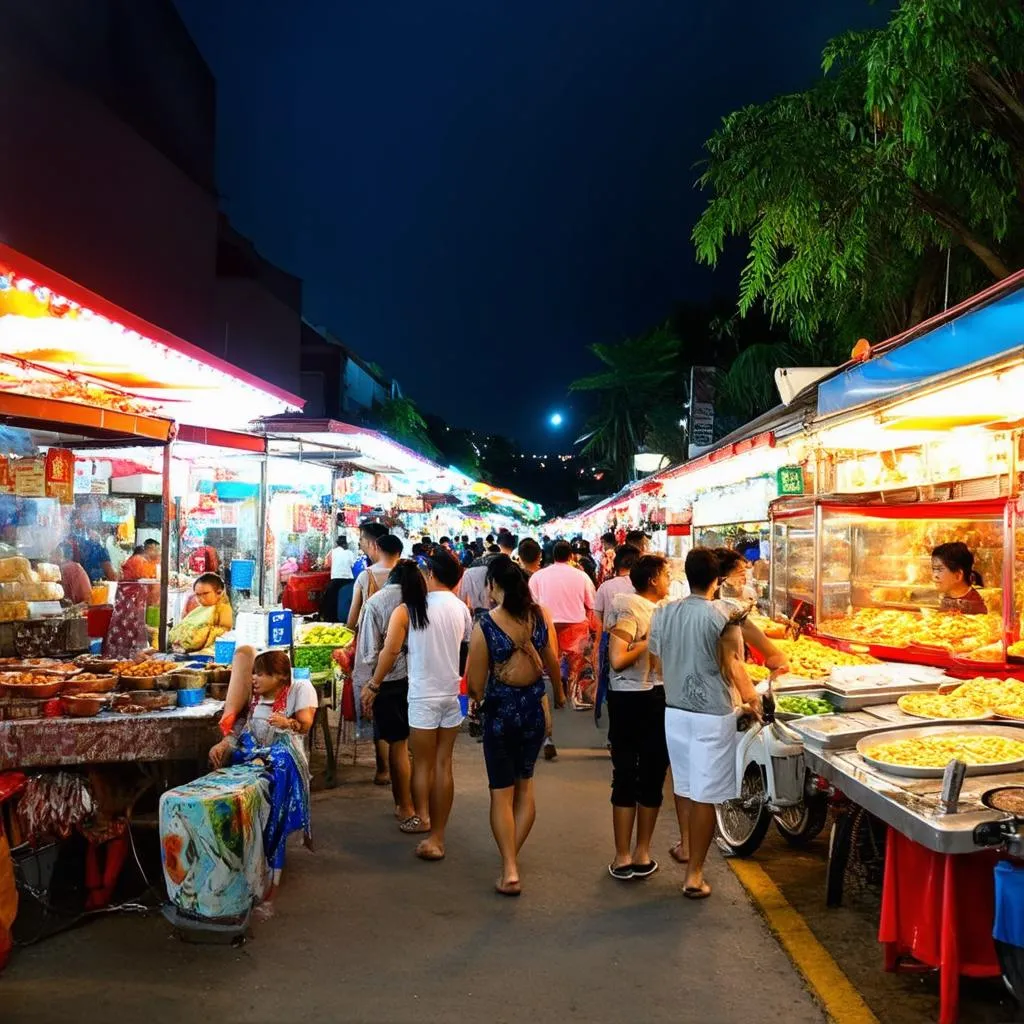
(987, 326)
(51, 327)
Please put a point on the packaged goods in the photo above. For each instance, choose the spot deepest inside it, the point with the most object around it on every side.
(48, 572)
(43, 591)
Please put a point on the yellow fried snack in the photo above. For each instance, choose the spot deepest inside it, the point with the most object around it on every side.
(938, 705)
(990, 692)
(812, 660)
(938, 751)
(952, 632)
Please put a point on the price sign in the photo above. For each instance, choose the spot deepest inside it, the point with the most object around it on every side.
(30, 478)
(790, 480)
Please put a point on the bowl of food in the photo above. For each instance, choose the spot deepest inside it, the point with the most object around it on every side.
(1008, 799)
(29, 684)
(84, 705)
(90, 682)
(149, 700)
(145, 675)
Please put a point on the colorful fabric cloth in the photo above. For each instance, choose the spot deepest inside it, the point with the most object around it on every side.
(127, 633)
(198, 629)
(211, 842)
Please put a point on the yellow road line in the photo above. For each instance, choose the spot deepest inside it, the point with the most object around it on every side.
(834, 990)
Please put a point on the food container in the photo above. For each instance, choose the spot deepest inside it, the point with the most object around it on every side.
(89, 682)
(936, 772)
(791, 716)
(90, 663)
(128, 680)
(151, 700)
(13, 709)
(84, 705)
(218, 674)
(217, 691)
(189, 679)
(39, 691)
(190, 697)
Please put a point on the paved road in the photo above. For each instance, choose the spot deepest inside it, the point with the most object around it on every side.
(365, 932)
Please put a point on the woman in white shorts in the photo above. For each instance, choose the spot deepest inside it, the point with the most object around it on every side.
(701, 658)
(434, 626)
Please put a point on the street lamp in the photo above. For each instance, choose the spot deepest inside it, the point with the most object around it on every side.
(645, 462)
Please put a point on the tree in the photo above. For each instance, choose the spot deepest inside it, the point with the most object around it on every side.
(401, 420)
(852, 192)
(642, 388)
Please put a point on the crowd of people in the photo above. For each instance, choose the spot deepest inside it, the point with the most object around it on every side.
(503, 617)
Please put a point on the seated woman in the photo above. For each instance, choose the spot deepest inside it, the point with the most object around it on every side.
(208, 615)
(280, 713)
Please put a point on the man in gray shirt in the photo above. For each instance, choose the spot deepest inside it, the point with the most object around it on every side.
(390, 708)
(701, 653)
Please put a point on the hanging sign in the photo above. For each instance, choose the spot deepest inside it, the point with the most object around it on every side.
(790, 480)
(30, 478)
(60, 475)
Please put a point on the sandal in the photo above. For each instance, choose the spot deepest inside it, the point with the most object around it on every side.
(413, 826)
(425, 853)
(645, 870)
(511, 889)
(676, 856)
(697, 892)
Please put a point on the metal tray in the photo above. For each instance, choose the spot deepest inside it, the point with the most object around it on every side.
(855, 679)
(836, 732)
(791, 683)
(913, 772)
(789, 716)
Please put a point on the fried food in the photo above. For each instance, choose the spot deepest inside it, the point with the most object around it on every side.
(949, 631)
(938, 705)
(938, 751)
(144, 669)
(812, 660)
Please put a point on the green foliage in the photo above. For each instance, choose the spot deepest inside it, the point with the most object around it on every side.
(850, 192)
(402, 421)
(640, 391)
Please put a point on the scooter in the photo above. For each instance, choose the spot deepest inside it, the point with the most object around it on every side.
(773, 783)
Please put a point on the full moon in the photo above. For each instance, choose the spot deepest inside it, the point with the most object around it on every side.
(556, 419)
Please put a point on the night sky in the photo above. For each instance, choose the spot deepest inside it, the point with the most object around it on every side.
(475, 191)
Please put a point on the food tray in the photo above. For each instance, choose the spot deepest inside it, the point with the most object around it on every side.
(857, 678)
(792, 683)
(835, 732)
(789, 716)
(189, 678)
(98, 684)
(34, 691)
(914, 772)
(165, 681)
(149, 699)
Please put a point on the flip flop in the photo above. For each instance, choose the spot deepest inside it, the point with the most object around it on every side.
(428, 854)
(697, 892)
(674, 854)
(645, 870)
(413, 826)
(512, 889)
(621, 874)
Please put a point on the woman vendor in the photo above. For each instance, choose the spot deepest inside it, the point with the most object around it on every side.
(229, 872)
(277, 704)
(955, 579)
(208, 615)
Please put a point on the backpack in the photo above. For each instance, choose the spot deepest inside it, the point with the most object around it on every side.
(524, 665)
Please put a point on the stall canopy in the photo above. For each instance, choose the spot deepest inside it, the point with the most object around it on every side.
(59, 341)
(987, 326)
(334, 443)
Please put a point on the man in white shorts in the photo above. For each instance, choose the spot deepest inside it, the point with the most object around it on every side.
(701, 656)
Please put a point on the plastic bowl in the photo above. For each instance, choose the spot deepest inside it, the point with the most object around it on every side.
(190, 698)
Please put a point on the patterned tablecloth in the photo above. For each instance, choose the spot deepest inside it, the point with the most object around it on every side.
(179, 734)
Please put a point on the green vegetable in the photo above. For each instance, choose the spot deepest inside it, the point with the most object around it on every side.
(797, 705)
(315, 658)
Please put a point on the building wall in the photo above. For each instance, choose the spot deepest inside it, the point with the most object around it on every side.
(106, 176)
(362, 391)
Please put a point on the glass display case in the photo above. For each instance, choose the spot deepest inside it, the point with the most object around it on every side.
(792, 559)
(875, 582)
(754, 540)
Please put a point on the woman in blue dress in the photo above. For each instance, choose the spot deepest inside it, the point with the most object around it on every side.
(512, 647)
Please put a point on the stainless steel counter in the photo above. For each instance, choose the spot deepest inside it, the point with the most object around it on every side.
(909, 805)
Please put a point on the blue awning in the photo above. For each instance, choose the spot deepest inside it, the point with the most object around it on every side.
(979, 335)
